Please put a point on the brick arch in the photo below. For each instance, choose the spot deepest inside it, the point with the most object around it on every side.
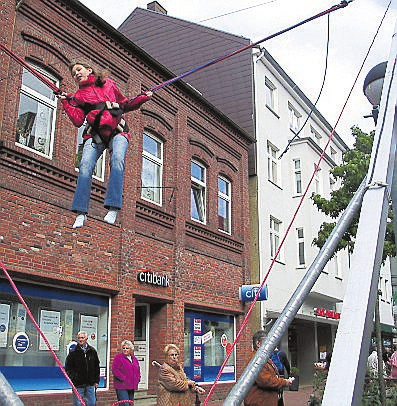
(201, 146)
(156, 123)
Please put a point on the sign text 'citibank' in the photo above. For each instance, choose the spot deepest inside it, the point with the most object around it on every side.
(153, 278)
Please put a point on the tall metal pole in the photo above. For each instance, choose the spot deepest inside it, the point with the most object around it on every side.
(7, 394)
(347, 371)
(239, 391)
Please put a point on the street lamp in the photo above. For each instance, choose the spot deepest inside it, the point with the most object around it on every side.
(373, 84)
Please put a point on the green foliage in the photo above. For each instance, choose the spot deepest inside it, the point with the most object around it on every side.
(350, 173)
(294, 371)
(319, 381)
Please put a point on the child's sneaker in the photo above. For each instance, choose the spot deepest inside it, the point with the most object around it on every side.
(80, 219)
(111, 216)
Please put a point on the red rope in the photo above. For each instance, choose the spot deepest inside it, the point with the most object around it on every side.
(131, 402)
(41, 333)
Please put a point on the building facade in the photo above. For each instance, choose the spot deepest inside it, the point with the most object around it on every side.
(169, 269)
(273, 110)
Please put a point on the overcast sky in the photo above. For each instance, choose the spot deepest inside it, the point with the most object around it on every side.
(300, 52)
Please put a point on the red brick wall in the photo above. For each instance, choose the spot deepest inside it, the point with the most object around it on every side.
(205, 266)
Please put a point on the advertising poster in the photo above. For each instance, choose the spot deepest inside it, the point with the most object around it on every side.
(89, 324)
(197, 326)
(197, 353)
(50, 324)
(4, 320)
(197, 372)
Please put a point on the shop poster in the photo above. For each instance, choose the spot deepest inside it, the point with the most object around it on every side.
(4, 321)
(89, 324)
(50, 325)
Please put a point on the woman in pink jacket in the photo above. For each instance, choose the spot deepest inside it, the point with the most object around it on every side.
(126, 372)
(100, 104)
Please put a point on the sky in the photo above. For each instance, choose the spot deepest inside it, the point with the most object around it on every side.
(302, 51)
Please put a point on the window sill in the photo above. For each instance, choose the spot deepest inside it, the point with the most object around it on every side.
(275, 184)
(272, 111)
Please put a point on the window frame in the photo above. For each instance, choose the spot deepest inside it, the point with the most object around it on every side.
(301, 247)
(159, 162)
(275, 237)
(228, 199)
(270, 95)
(51, 104)
(273, 165)
(294, 118)
(297, 177)
(200, 186)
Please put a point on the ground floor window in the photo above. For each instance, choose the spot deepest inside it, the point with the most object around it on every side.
(25, 360)
(208, 338)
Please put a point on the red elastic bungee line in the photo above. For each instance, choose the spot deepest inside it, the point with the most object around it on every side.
(41, 333)
(33, 71)
(222, 58)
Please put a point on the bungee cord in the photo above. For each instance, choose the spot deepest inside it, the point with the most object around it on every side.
(300, 203)
(318, 97)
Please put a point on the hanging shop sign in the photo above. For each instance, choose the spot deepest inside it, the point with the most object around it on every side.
(329, 314)
(247, 293)
(153, 278)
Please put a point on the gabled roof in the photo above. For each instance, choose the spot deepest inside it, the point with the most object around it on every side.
(181, 45)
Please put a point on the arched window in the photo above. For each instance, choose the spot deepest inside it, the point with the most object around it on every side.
(37, 113)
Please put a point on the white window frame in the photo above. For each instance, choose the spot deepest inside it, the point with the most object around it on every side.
(316, 136)
(159, 162)
(297, 176)
(273, 166)
(294, 118)
(270, 95)
(317, 180)
(47, 102)
(200, 197)
(333, 153)
(228, 199)
(275, 227)
(301, 246)
(338, 266)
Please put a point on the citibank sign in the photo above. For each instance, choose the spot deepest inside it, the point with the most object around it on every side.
(153, 278)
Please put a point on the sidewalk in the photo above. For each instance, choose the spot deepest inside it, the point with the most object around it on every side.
(298, 398)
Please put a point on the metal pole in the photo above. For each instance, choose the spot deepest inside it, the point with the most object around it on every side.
(240, 390)
(7, 394)
(347, 371)
(381, 378)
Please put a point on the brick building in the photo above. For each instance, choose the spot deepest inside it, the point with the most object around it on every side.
(169, 269)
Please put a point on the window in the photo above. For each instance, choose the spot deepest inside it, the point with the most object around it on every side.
(60, 314)
(36, 114)
(203, 359)
(332, 183)
(337, 266)
(317, 183)
(198, 192)
(272, 163)
(333, 154)
(316, 136)
(275, 229)
(294, 119)
(270, 94)
(224, 205)
(301, 246)
(99, 171)
(298, 176)
(152, 169)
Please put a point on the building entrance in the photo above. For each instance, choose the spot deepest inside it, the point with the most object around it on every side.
(141, 342)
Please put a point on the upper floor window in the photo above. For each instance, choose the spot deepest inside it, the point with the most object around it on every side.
(99, 171)
(224, 205)
(294, 118)
(272, 163)
(301, 246)
(332, 183)
(317, 180)
(152, 169)
(275, 230)
(316, 136)
(333, 154)
(198, 192)
(270, 94)
(37, 113)
(298, 176)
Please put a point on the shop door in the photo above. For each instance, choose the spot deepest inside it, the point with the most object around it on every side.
(141, 342)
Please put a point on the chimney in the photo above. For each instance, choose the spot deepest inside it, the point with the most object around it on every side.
(157, 7)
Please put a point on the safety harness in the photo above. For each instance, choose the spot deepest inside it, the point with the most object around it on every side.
(115, 110)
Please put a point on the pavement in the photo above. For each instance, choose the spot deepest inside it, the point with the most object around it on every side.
(298, 398)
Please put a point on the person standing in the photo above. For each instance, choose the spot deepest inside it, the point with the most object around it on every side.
(280, 359)
(126, 372)
(174, 386)
(100, 103)
(267, 388)
(82, 367)
(393, 365)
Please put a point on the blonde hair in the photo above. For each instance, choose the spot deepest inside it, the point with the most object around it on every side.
(169, 347)
(100, 76)
(128, 343)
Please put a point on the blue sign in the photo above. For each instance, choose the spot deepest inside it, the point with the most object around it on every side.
(247, 293)
(20, 342)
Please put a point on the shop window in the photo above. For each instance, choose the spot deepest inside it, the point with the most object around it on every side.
(224, 205)
(37, 113)
(208, 339)
(198, 192)
(25, 360)
(152, 169)
(99, 171)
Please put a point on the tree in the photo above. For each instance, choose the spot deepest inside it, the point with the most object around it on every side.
(351, 172)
